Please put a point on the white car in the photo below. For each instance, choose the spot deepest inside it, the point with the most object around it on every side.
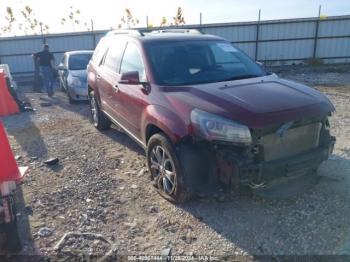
(72, 74)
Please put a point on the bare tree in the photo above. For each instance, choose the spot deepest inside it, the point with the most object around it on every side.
(25, 20)
(44, 28)
(86, 25)
(10, 19)
(163, 22)
(73, 16)
(31, 25)
(128, 20)
(179, 19)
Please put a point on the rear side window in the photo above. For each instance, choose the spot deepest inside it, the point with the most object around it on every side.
(114, 55)
(132, 61)
(100, 51)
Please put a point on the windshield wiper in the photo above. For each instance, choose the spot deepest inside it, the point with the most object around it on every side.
(240, 77)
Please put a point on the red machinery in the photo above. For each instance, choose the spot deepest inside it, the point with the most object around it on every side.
(8, 105)
(9, 175)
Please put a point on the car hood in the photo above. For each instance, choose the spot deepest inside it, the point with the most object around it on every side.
(255, 102)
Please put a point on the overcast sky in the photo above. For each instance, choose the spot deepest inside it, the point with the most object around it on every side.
(107, 13)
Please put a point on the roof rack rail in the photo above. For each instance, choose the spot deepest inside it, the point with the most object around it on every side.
(125, 32)
(177, 30)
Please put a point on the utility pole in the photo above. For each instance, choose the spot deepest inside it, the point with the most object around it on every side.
(146, 21)
(317, 25)
(319, 11)
(200, 18)
(93, 34)
(257, 36)
(42, 34)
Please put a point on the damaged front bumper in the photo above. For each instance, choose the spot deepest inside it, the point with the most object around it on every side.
(235, 171)
(263, 166)
(264, 174)
(271, 161)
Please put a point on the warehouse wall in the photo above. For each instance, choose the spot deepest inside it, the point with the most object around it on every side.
(274, 42)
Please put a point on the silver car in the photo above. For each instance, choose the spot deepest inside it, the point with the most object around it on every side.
(72, 74)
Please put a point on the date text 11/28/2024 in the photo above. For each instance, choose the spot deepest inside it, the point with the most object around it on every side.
(172, 258)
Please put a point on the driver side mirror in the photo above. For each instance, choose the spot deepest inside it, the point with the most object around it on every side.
(61, 67)
(260, 63)
(263, 66)
(130, 78)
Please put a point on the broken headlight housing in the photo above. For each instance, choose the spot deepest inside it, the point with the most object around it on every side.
(216, 128)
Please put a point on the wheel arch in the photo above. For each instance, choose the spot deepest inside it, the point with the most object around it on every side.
(97, 95)
(157, 119)
(151, 130)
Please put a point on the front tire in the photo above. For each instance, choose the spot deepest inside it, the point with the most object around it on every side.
(70, 99)
(165, 169)
(13, 241)
(62, 86)
(98, 118)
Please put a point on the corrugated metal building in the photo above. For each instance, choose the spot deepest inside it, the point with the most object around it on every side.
(275, 41)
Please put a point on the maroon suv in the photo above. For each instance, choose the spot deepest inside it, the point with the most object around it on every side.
(207, 115)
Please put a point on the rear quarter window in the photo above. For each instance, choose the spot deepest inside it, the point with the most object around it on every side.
(100, 51)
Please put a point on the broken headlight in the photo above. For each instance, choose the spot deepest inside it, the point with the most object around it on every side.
(216, 128)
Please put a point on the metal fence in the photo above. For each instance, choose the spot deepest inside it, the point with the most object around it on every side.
(273, 42)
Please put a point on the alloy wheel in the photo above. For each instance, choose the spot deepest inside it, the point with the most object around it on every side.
(93, 109)
(163, 170)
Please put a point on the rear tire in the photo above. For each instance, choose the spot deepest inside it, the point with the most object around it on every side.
(165, 169)
(70, 99)
(97, 117)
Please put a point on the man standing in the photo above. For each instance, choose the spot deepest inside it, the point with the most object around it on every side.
(46, 62)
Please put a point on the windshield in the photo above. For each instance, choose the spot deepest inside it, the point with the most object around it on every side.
(196, 62)
(79, 61)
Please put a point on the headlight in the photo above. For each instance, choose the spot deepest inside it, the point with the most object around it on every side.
(213, 127)
(76, 82)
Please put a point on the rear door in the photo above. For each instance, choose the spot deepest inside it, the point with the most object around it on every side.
(94, 67)
(108, 77)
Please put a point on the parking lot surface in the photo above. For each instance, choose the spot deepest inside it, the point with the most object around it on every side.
(101, 185)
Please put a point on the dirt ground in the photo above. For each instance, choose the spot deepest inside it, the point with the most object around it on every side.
(101, 186)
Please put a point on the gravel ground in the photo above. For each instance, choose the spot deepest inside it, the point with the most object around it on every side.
(101, 186)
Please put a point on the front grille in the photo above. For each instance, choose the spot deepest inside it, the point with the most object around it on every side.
(294, 141)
